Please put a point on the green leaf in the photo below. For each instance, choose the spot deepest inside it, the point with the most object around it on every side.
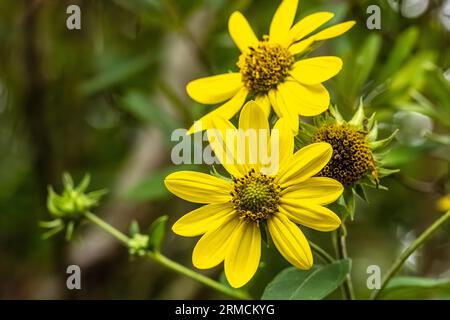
(134, 228)
(404, 45)
(350, 202)
(364, 63)
(67, 181)
(156, 233)
(416, 287)
(152, 187)
(116, 73)
(145, 109)
(361, 192)
(314, 284)
(382, 143)
(84, 184)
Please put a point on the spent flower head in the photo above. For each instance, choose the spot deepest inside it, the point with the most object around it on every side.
(357, 160)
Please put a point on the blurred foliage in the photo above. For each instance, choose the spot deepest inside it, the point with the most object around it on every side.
(86, 101)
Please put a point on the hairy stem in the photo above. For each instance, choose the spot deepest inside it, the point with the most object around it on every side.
(340, 243)
(398, 264)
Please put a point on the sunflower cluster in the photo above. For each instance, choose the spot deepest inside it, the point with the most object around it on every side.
(274, 74)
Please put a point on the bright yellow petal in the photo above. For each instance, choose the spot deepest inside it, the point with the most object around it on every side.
(255, 133)
(283, 110)
(309, 24)
(318, 190)
(334, 31)
(307, 100)
(215, 89)
(227, 111)
(301, 46)
(263, 101)
(252, 117)
(244, 254)
(198, 187)
(282, 22)
(331, 32)
(241, 32)
(203, 219)
(305, 163)
(212, 248)
(290, 241)
(316, 70)
(311, 215)
(224, 141)
(283, 140)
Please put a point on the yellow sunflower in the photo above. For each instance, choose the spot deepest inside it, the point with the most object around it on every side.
(269, 72)
(236, 209)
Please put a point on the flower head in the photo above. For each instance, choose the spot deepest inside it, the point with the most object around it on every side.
(68, 208)
(273, 70)
(356, 151)
(279, 196)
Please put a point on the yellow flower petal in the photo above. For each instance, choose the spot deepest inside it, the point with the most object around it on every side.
(212, 248)
(331, 32)
(203, 219)
(309, 24)
(334, 31)
(244, 253)
(311, 215)
(241, 32)
(307, 100)
(252, 117)
(263, 101)
(290, 241)
(224, 141)
(318, 190)
(285, 143)
(284, 110)
(227, 111)
(282, 22)
(301, 46)
(316, 70)
(215, 89)
(255, 133)
(305, 163)
(198, 187)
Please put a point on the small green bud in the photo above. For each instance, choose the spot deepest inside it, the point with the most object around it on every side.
(73, 201)
(68, 207)
(138, 245)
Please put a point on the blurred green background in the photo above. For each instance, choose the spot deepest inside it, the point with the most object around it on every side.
(105, 99)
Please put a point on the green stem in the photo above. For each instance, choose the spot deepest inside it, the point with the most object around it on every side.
(172, 265)
(107, 227)
(164, 261)
(398, 264)
(325, 256)
(340, 242)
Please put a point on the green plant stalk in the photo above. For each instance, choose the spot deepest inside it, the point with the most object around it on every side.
(107, 227)
(172, 265)
(340, 244)
(398, 264)
(325, 256)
